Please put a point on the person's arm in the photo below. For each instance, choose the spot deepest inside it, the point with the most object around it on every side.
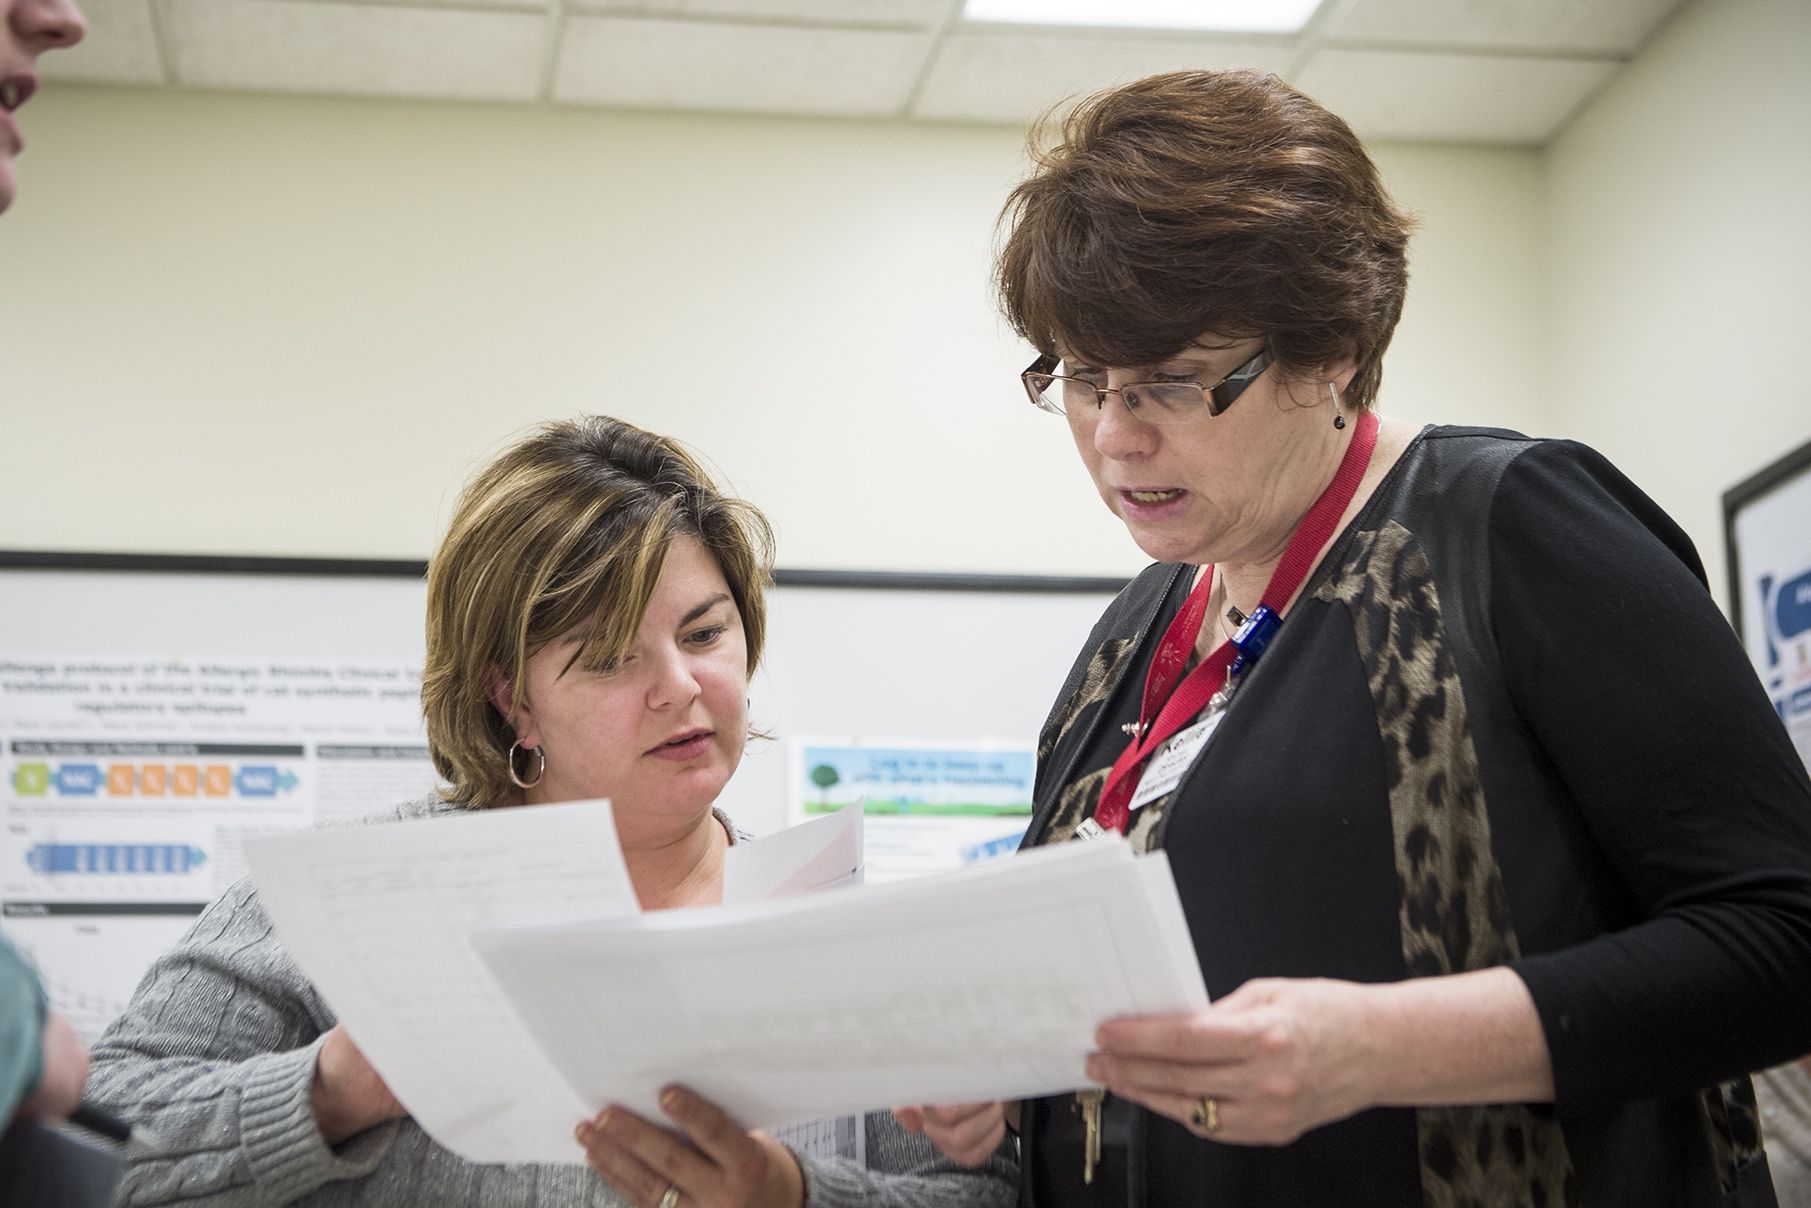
(22, 1014)
(64, 1072)
(1685, 781)
(216, 1057)
(1647, 707)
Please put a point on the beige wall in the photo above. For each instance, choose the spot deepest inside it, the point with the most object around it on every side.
(275, 325)
(1680, 260)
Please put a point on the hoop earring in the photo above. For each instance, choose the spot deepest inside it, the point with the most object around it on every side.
(1339, 418)
(515, 777)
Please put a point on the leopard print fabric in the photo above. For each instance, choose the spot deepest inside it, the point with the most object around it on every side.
(1078, 798)
(1097, 684)
(1454, 911)
(1735, 1128)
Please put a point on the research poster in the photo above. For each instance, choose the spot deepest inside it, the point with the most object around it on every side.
(131, 782)
(1772, 553)
(926, 807)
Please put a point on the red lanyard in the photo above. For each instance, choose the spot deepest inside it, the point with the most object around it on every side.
(1168, 706)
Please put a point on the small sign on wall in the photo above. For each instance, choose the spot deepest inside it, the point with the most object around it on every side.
(1767, 524)
(929, 806)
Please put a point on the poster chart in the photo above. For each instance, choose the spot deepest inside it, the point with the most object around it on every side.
(129, 784)
(1769, 522)
(927, 806)
(156, 711)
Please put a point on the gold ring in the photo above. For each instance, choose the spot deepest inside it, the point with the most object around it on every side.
(670, 1198)
(1207, 1118)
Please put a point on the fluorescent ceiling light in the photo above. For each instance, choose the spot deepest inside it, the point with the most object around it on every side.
(1223, 16)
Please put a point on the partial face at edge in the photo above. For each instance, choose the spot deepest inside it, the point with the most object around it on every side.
(28, 28)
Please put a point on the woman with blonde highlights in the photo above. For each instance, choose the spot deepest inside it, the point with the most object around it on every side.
(1496, 858)
(594, 614)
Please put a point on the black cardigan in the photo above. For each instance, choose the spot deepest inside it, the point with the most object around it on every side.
(1504, 724)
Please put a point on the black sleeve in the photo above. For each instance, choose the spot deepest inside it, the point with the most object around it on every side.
(1640, 694)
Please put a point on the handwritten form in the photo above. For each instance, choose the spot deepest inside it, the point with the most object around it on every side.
(983, 983)
(379, 917)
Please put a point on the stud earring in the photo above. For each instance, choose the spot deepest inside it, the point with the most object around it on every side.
(1339, 418)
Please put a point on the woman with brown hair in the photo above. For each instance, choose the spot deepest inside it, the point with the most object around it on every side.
(1496, 858)
(594, 614)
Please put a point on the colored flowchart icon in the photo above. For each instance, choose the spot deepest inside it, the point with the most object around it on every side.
(265, 781)
(78, 779)
(151, 780)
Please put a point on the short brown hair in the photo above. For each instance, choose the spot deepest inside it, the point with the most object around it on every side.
(1205, 201)
(570, 526)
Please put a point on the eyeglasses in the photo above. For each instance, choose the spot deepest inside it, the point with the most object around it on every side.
(1153, 402)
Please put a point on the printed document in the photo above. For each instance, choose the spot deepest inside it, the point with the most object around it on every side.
(497, 971)
(378, 917)
(982, 983)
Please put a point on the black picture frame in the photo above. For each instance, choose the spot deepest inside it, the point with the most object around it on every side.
(1745, 494)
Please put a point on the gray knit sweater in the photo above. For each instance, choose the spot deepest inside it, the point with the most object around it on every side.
(215, 1057)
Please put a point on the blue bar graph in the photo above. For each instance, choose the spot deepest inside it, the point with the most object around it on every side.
(118, 859)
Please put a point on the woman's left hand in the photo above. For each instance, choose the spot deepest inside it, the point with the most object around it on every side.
(1277, 1057)
(709, 1159)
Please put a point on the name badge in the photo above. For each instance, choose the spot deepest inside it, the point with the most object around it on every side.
(1172, 760)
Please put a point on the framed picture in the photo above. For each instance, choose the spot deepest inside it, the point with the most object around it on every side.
(1767, 525)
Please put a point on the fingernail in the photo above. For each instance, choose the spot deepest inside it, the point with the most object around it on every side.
(670, 1100)
(604, 1118)
(582, 1134)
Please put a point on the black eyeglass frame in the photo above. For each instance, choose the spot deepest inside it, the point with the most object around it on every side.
(1219, 396)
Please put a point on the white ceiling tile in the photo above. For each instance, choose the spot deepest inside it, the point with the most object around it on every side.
(1451, 98)
(283, 45)
(540, 6)
(1613, 27)
(748, 68)
(920, 13)
(997, 77)
(120, 47)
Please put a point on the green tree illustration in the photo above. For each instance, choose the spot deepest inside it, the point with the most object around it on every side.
(824, 775)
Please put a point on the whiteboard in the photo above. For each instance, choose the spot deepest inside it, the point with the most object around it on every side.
(134, 687)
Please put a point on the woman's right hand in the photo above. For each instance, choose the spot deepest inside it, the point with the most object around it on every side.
(966, 1133)
(348, 1096)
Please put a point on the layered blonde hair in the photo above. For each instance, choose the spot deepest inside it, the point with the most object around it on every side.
(569, 527)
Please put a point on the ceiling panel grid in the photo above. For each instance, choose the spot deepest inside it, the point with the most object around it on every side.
(1499, 72)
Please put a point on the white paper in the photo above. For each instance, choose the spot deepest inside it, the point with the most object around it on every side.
(983, 983)
(378, 917)
(824, 853)
(820, 854)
